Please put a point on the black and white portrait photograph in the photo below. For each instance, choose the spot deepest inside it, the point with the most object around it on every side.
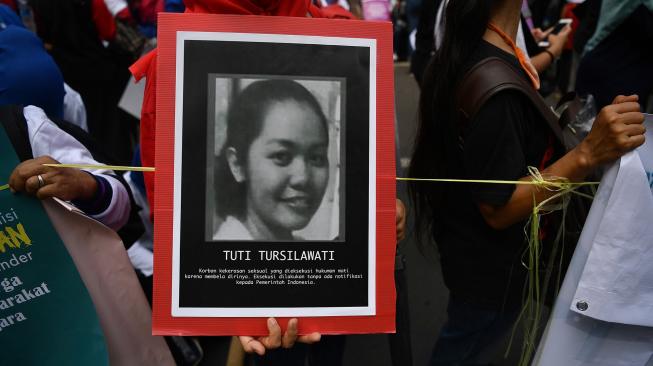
(275, 186)
(275, 158)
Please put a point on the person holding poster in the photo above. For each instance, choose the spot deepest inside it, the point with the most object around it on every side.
(147, 67)
(479, 228)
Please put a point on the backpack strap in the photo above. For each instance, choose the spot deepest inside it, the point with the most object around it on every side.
(489, 77)
(14, 123)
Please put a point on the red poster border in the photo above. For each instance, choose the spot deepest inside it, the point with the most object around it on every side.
(384, 320)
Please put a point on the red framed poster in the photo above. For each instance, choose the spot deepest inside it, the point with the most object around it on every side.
(275, 182)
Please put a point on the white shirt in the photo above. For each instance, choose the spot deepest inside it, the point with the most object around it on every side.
(115, 6)
(74, 110)
(48, 139)
(232, 229)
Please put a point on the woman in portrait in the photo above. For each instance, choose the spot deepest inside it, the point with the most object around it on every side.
(274, 165)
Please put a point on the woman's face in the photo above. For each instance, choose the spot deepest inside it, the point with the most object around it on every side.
(287, 167)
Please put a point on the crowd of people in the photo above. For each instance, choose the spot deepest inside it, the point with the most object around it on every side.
(487, 71)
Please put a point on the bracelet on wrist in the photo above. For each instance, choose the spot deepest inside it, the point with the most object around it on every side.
(553, 58)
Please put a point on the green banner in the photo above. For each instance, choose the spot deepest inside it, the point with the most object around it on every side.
(46, 315)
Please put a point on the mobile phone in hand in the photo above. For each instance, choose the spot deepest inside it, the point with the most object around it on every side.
(562, 23)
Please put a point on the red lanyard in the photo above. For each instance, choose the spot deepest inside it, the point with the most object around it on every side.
(523, 60)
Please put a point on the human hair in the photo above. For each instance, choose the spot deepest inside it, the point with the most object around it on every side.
(436, 142)
(244, 124)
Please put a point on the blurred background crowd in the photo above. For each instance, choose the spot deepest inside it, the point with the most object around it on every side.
(71, 58)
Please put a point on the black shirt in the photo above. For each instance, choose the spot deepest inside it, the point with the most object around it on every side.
(482, 265)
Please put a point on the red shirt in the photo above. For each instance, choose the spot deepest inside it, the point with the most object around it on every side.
(104, 22)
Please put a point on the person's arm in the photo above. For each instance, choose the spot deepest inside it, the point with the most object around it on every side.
(547, 57)
(50, 144)
(617, 130)
(275, 339)
(400, 220)
(100, 196)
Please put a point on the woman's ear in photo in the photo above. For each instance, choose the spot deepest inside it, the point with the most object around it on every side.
(235, 165)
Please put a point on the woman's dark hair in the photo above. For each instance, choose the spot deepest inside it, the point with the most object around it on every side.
(244, 123)
(436, 144)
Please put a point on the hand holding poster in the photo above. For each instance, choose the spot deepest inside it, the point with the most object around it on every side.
(275, 175)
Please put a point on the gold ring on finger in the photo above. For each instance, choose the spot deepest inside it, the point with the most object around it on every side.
(41, 180)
